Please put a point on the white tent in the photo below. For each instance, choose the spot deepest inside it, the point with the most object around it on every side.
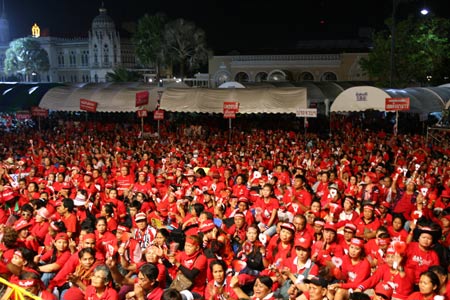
(361, 98)
(111, 97)
(255, 100)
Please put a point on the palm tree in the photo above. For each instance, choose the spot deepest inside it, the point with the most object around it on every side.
(185, 44)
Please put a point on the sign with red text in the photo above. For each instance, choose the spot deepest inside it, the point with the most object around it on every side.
(397, 104)
(142, 113)
(36, 111)
(23, 115)
(88, 105)
(230, 109)
(158, 114)
(142, 98)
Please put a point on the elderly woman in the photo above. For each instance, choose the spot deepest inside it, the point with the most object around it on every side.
(100, 285)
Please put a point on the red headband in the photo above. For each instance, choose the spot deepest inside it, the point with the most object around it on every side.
(191, 241)
(26, 283)
(88, 236)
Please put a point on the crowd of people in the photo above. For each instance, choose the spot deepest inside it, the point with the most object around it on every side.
(97, 211)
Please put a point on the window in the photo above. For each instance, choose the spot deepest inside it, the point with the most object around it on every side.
(95, 55)
(241, 77)
(328, 76)
(106, 54)
(72, 59)
(61, 58)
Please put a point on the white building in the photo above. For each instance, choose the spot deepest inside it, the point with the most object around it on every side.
(79, 59)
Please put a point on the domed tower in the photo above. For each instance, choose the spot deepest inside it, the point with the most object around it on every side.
(104, 46)
(4, 26)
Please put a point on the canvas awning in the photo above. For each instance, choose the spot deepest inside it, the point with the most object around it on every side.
(255, 100)
(361, 98)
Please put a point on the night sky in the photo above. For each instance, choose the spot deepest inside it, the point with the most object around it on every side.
(229, 25)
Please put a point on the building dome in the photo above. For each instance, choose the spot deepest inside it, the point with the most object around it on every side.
(103, 21)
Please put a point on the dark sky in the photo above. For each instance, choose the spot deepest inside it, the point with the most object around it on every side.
(232, 24)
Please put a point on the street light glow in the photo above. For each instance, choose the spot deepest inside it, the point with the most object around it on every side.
(424, 11)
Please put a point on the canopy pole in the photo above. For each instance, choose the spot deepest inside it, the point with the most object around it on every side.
(396, 123)
(159, 136)
(229, 131)
(142, 127)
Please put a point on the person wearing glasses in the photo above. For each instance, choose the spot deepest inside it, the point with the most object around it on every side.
(100, 287)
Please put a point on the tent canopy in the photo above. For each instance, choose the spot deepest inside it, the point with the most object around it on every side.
(22, 96)
(255, 100)
(111, 97)
(361, 98)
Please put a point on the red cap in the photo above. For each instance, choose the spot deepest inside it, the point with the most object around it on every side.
(372, 176)
(303, 242)
(62, 236)
(140, 217)
(330, 226)
(239, 215)
(21, 225)
(356, 242)
(288, 226)
(350, 226)
(66, 185)
(207, 226)
(123, 228)
(383, 288)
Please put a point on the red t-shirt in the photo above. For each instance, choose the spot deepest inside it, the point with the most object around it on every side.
(108, 294)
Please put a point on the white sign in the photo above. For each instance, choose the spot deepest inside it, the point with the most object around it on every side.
(306, 112)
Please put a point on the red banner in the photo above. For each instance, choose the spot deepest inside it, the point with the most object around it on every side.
(88, 105)
(397, 104)
(23, 115)
(142, 113)
(142, 98)
(158, 114)
(36, 111)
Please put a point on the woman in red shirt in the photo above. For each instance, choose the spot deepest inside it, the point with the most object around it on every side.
(428, 287)
(355, 268)
(282, 247)
(219, 288)
(266, 210)
(100, 285)
(52, 261)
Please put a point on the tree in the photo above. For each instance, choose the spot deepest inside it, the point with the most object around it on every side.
(421, 50)
(120, 74)
(148, 40)
(25, 56)
(185, 45)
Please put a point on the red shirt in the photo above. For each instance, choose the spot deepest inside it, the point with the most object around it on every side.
(108, 294)
(419, 260)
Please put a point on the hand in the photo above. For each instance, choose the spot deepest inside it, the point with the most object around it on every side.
(333, 286)
(234, 282)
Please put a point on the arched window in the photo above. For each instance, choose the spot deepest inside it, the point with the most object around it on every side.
(241, 77)
(306, 76)
(328, 76)
(277, 76)
(261, 76)
(106, 54)
(95, 54)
